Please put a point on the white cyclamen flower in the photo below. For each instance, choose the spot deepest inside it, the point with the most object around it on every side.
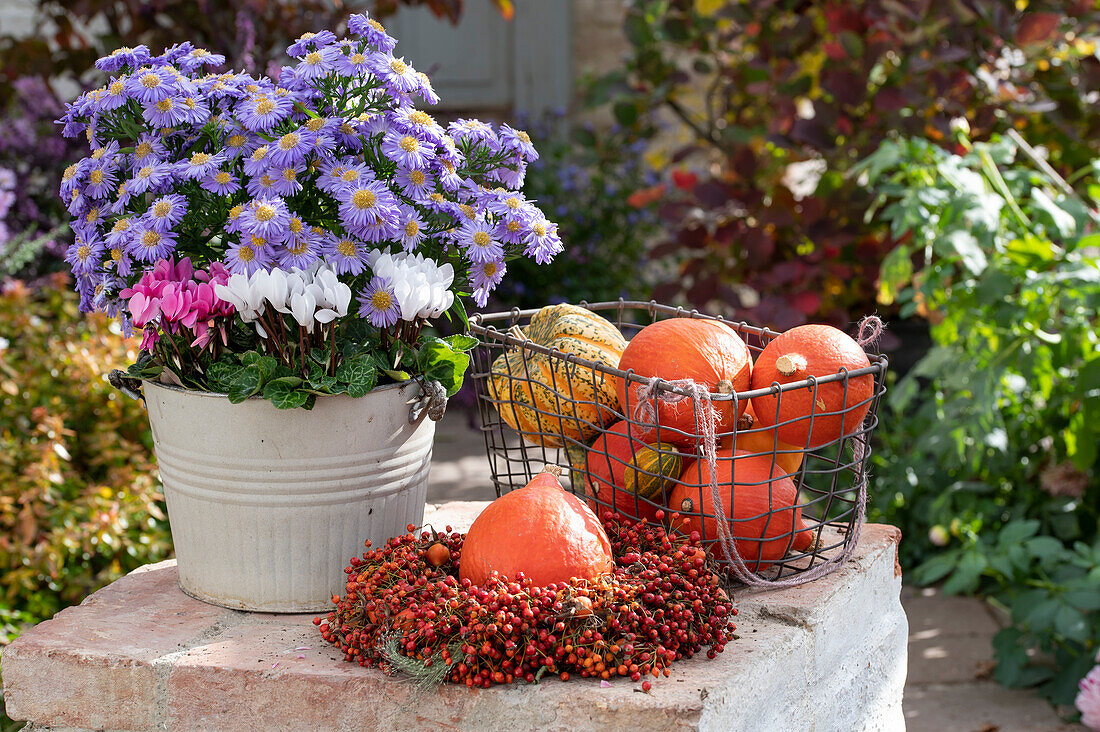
(238, 291)
(420, 285)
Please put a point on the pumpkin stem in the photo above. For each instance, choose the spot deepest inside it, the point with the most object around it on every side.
(790, 363)
(745, 422)
(516, 332)
(725, 386)
(554, 470)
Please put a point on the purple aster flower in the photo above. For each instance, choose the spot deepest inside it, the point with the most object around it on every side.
(449, 179)
(197, 58)
(378, 304)
(484, 278)
(316, 64)
(266, 217)
(261, 186)
(385, 226)
(301, 248)
(149, 148)
(371, 31)
(147, 244)
(149, 178)
(221, 182)
(151, 85)
(511, 173)
(310, 41)
(123, 57)
(251, 255)
(286, 182)
(123, 200)
(7, 179)
(193, 111)
(474, 130)
(363, 202)
(542, 241)
(416, 122)
(337, 175)
(414, 183)
(166, 212)
(412, 228)
(101, 182)
(397, 75)
(477, 240)
(113, 96)
(238, 142)
(353, 63)
(505, 203)
(261, 112)
(85, 254)
(518, 141)
(514, 226)
(258, 162)
(347, 255)
(233, 219)
(200, 165)
(291, 148)
(119, 233)
(407, 150)
(424, 88)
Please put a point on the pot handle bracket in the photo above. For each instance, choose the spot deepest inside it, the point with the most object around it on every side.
(433, 400)
(129, 386)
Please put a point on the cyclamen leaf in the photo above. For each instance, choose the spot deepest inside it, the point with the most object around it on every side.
(284, 395)
(461, 342)
(359, 374)
(245, 384)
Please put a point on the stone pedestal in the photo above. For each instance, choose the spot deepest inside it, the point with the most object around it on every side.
(141, 655)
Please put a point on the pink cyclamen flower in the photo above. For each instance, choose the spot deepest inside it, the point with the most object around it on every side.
(1088, 699)
(143, 309)
(175, 302)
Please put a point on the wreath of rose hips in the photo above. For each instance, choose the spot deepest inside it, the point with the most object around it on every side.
(406, 611)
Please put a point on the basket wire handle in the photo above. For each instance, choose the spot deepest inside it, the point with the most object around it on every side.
(870, 328)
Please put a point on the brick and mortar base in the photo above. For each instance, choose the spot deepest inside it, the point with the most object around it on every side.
(141, 655)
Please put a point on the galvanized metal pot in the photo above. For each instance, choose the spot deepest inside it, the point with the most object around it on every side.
(267, 506)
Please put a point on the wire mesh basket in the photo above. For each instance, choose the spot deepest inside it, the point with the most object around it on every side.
(792, 511)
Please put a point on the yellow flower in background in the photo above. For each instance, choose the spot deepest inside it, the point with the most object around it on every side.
(707, 8)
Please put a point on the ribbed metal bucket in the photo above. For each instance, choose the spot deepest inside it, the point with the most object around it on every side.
(267, 506)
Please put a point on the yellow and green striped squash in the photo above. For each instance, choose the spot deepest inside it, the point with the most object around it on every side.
(545, 398)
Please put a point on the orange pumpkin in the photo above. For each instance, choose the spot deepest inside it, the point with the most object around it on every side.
(541, 530)
(753, 437)
(766, 523)
(708, 352)
(621, 467)
(812, 350)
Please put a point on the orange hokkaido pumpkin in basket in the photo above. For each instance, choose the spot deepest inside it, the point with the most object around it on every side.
(620, 467)
(753, 437)
(761, 508)
(708, 352)
(838, 407)
(541, 530)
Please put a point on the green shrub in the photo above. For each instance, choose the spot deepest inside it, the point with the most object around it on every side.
(80, 503)
(989, 445)
(742, 90)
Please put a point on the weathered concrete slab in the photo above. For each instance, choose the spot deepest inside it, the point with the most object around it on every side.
(141, 655)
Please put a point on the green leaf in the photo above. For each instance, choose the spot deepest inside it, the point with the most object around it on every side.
(285, 395)
(936, 568)
(1044, 548)
(247, 383)
(967, 576)
(626, 113)
(1062, 223)
(461, 342)
(1016, 531)
(359, 374)
(268, 365)
(966, 246)
(220, 375)
(1071, 623)
(896, 272)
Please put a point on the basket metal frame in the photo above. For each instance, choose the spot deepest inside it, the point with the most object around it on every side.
(827, 504)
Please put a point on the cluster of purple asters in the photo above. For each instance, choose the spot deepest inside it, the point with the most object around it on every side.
(324, 164)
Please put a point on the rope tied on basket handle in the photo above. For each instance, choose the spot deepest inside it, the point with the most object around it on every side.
(870, 329)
